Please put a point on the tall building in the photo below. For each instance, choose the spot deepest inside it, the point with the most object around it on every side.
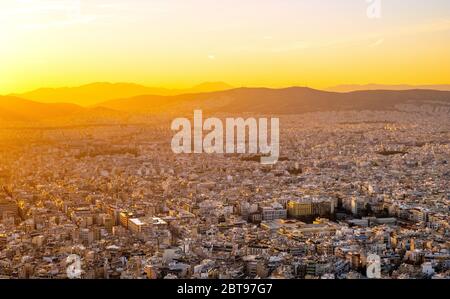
(270, 213)
(3, 241)
(298, 208)
(310, 207)
(8, 208)
(124, 217)
(322, 207)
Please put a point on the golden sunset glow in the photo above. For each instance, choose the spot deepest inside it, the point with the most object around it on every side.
(177, 44)
(224, 141)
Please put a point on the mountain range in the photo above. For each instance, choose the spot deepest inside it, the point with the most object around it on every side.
(94, 93)
(17, 109)
(355, 87)
(293, 100)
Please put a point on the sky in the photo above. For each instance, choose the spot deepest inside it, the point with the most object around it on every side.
(180, 43)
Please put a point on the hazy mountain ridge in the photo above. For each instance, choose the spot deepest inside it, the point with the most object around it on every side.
(94, 93)
(293, 100)
(363, 87)
(17, 109)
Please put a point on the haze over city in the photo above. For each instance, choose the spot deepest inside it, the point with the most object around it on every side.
(104, 174)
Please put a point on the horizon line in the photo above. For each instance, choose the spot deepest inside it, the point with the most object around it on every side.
(229, 86)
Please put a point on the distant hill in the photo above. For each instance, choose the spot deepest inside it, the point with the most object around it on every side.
(17, 109)
(91, 94)
(279, 101)
(355, 87)
(294, 100)
(206, 87)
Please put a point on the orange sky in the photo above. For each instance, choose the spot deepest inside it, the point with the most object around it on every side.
(178, 43)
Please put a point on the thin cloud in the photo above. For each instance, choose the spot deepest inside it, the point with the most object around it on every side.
(44, 14)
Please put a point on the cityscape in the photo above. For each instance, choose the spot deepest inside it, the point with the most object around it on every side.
(121, 200)
(224, 140)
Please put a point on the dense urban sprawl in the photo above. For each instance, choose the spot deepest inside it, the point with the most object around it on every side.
(347, 185)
